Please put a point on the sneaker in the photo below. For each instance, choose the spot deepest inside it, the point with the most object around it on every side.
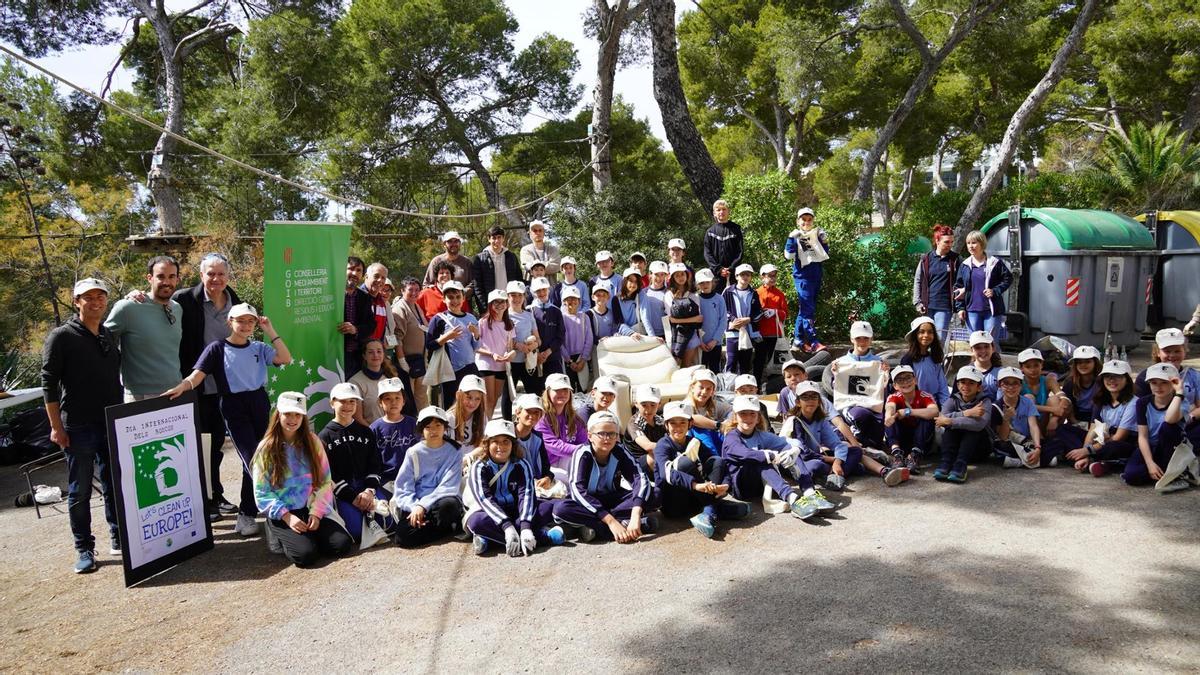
(941, 473)
(1097, 469)
(1174, 486)
(835, 482)
(894, 477)
(804, 508)
(877, 455)
(650, 524)
(114, 546)
(897, 459)
(957, 476)
(555, 535)
(703, 524)
(586, 534)
(224, 507)
(1053, 462)
(1011, 462)
(86, 563)
(273, 544)
(1023, 455)
(246, 526)
(822, 503)
(913, 463)
(732, 509)
(214, 515)
(479, 545)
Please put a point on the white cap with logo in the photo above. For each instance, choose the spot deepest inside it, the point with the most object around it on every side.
(390, 385)
(556, 381)
(242, 309)
(496, 428)
(1116, 367)
(860, 329)
(528, 402)
(451, 235)
(969, 373)
(647, 393)
(658, 267)
(1169, 337)
(744, 268)
(89, 284)
(472, 383)
(344, 391)
(605, 385)
(603, 255)
(1162, 371)
(292, 402)
(540, 283)
(746, 404)
(676, 243)
(704, 275)
(1030, 354)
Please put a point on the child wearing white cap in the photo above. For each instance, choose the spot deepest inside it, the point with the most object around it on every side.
(1081, 386)
(561, 428)
(645, 426)
(457, 332)
(1018, 437)
(986, 360)
(865, 423)
(497, 335)
(550, 328)
(690, 477)
(355, 463)
(684, 316)
(1112, 437)
(806, 246)
(825, 454)
(714, 321)
(1161, 417)
(745, 311)
(426, 505)
(606, 266)
(925, 357)
(293, 487)
(965, 416)
(1044, 389)
(578, 339)
(655, 301)
(1171, 346)
(775, 314)
(394, 431)
(526, 340)
(501, 483)
(603, 397)
(238, 365)
(527, 412)
(466, 418)
(604, 319)
(708, 412)
(628, 305)
(569, 280)
(908, 416)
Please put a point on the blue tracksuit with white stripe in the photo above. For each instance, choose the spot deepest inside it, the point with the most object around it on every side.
(506, 498)
(748, 467)
(595, 489)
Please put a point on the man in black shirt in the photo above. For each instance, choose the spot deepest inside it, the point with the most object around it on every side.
(81, 375)
(723, 246)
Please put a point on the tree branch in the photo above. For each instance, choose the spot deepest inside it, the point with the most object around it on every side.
(198, 38)
(910, 29)
(137, 24)
(191, 10)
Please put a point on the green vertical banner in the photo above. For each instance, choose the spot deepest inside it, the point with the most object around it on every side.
(304, 284)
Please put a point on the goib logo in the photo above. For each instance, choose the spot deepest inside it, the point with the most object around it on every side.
(157, 470)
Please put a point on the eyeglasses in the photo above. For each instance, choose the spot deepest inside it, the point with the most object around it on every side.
(170, 314)
(606, 435)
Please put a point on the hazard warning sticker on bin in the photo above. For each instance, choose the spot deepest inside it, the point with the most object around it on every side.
(1072, 291)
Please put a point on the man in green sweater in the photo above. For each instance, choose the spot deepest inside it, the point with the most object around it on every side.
(148, 334)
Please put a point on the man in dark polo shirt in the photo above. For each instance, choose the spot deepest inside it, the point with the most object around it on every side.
(358, 319)
(205, 319)
(81, 376)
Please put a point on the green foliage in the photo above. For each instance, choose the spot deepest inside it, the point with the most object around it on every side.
(890, 261)
(765, 206)
(1152, 168)
(939, 208)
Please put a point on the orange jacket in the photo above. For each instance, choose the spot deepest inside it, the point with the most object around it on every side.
(773, 298)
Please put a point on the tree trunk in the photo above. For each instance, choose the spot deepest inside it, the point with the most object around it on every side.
(690, 151)
(938, 159)
(1191, 115)
(160, 180)
(905, 197)
(930, 62)
(1020, 119)
(612, 23)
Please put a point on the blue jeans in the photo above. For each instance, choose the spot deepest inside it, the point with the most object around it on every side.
(808, 286)
(88, 453)
(988, 322)
(941, 321)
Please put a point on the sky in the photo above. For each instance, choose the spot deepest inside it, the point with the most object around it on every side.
(88, 66)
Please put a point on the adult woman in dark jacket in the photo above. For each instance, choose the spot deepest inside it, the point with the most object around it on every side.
(979, 288)
(933, 282)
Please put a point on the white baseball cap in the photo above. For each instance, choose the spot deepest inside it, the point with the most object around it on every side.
(676, 243)
(805, 212)
(292, 402)
(242, 309)
(630, 271)
(570, 292)
(969, 373)
(1029, 355)
(496, 428)
(744, 267)
(1116, 367)
(534, 263)
(605, 286)
(918, 322)
(637, 254)
(603, 255)
(390, 385)
(861, 329)
(981, 337)
(451, 235)
(528, 402)
(807, 387)
(704, 274)
(1008, 372)
(900, 370)
(432, 412)
(767, 269)
(647, 393)
(658, 266)
(89, 284)
(539, 284)
(536, 223)
(605, 385)
(602, 417)
(745, 404)
(567, 260)
(792, 363)
(746, 380)
(452, 285)
(1161, 371)
(703, 374)
(557, 381)
(1169, 337)
(515, 287)
(677, 267)
(497, 295)
(1085, 352)
(676, 410)
(472, 383)
(344, 391)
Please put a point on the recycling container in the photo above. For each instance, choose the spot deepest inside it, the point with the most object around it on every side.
(1177, 281)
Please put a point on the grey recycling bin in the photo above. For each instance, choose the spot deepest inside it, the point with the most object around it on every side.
(1082, 274)
(1177, 283)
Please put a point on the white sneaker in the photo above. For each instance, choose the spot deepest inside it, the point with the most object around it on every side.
(1012, 462)
(1174, 486)
(770, 503)
(246, 526)
(1023, 453)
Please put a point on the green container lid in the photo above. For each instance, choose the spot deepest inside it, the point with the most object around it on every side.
(1085, 229)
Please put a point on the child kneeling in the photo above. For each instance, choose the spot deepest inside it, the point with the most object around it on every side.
(426, 506)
